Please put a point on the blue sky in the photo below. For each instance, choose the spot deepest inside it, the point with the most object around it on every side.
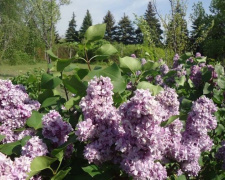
(99, 8)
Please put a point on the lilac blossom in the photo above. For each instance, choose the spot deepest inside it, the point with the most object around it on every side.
(133, 55)
(15, 105)
(164, 69)
(196, 75)
(101, 121)
(175, 60)
(55, 129)
(34, 147)
(198, 54)
(143, 61)
(159, 80)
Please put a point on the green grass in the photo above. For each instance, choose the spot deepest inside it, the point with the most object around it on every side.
(8, 71)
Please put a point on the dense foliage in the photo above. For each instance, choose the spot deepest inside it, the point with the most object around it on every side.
(138, 119)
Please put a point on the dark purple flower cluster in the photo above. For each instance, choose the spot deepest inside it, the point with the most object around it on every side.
(101, 121)
(175, 60)
(15, 105)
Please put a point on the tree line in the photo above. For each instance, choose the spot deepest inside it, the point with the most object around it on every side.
(28, 28)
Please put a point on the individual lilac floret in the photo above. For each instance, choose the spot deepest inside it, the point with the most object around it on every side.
(168, 99)
(55, 129)
(164, 69)
(138, 73)
(198, 54)
(15, 105)
(101, 121)
(34, 147)
(133, 55)
(129, 86)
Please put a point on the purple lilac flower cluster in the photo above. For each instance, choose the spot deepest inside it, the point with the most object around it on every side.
(56, 130)
(164, 69)
(194, 139)
(15, 105)
(101, 121)
(142, 142)
(18, 169)
(133, 136)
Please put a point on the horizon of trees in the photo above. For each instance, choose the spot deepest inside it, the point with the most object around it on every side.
(28, 29)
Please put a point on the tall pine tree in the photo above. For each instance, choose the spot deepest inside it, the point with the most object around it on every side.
(125, 31)
(154, 24)
(177, 32)
(87, 22)
(71, 33)
(110, 26)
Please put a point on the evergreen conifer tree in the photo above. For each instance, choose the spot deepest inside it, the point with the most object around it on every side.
(71, 33)
(87, 22)
(154, 24)
(125, 32)
(110, 26)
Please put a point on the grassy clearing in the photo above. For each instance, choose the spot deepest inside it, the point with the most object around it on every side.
(7, 71)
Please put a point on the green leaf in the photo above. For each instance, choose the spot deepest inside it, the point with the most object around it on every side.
(186, 104)
(32, 78)
(72, 101)
(150, 65)
(50, 102)
(92, 170)
(105, 51)
(219, 129)
(61, 174)
(152, 88)
(206, 75)
(221, 82)
(7, 149)
(35, 121)
(82, 73)
(49, 82)
(181, 80)
(207, 88)
(95, 32)
(129, 64)
(62, 64)
(169, 121)
(40, 163)
(71, 67)
(45, 94)
(185, 56)
(75, 85)
(191, 84)
(181, 177)
(219, 70)
(52, 55)
(2, 137)
(201, 59)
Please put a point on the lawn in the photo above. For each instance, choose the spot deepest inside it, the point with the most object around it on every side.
(7, 71)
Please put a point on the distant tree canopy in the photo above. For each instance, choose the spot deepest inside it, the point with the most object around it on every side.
(71, 33)
(87, 22)
(110, 26)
